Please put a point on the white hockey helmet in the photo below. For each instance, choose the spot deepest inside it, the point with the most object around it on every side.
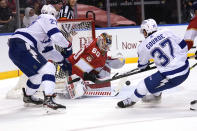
(104, 41)
(49, 9)
(149, 26)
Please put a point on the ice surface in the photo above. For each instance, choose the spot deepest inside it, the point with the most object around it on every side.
(102, 114)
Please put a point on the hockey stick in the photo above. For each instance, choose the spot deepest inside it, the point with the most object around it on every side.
(132, 72)
(116, 76)
(193, 66)
(190, 57)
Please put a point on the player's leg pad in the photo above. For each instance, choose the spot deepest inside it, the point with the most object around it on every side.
(125, 103)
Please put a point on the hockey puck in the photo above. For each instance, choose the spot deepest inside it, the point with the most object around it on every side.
(127, 83)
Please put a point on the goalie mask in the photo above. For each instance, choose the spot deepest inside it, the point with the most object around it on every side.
(49, 9)
(104, 42)
(149, 26)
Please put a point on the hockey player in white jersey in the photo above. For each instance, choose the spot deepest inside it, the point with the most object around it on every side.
(32, 49)
(169, 53)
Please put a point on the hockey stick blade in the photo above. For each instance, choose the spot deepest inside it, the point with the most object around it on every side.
(122, 75)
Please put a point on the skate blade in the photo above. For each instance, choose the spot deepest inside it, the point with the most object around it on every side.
(32, 105)
(50, 111)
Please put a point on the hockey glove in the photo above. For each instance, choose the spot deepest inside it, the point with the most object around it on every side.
(67, 51)
(65, 65)
(89, 76)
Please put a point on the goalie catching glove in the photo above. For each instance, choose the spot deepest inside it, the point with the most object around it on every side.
(89, 76)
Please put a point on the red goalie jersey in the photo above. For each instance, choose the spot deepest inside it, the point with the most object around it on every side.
(90, 57)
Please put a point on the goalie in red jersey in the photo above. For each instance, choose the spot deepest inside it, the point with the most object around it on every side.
(91, 62)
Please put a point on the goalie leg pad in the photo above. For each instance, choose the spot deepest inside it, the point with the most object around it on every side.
(76, 89)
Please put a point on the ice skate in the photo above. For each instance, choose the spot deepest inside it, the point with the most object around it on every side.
(125, 103)
(152, 98)
(193, 105)
(31, 99)
(49, 102)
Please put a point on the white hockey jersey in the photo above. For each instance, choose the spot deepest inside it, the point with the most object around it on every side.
(42, 34)
(168, 51)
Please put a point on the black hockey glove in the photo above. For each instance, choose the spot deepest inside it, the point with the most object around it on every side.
(67, 52)
(89, 76)
(65, 65)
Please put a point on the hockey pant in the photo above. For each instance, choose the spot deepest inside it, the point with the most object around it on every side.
(33, 65)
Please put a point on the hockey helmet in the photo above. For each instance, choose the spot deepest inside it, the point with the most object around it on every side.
(149, 26)
(104, 41)
(49, 9)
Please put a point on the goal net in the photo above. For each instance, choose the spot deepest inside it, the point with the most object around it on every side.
(81, 32)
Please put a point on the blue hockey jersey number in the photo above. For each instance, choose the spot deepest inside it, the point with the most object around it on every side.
(53, 21)
(163, 57)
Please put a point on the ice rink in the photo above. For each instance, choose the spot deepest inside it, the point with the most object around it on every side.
(102, 114)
